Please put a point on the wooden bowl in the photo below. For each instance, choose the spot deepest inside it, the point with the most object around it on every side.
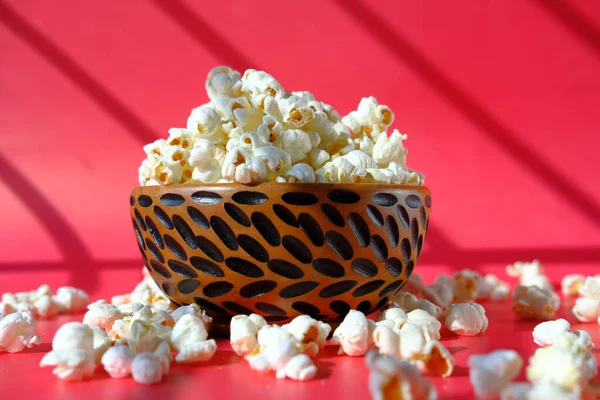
(281, 249)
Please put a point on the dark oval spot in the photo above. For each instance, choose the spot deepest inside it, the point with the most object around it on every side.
(140, 220)
(428, 201)
(256, 289)
(384, 199)
(392, 231)
(379, 247)
(328, 267)
(409, 268)
(413, 201)
(162, 216)
(299, 198)
(252, 247)
(249, 198)
(269, 309)
(311, 229)
(217, 289)
(367, 288)
(207, 305)
(381, 303)
(185, 231)
(175, 248)
(222, 319)
(403, 215)
(337, 288)
(423, 216)
(339, 307)
(275, 318)
(339, 244)
(414, 232)
(390, 288)
(375, 215)
(168, 288)
(187, 286)
(298, 249)
(297, 289)
(265, 227)
(209, 248)
(285, 269)
(161, 269)
(155, 233)
(364, 307)
(285, 215)
(237, 308)
(305, 308)
(207, 267)
(360, 229)
(244, 267)
(237, 214)
(172, 199)
(182, 269)
(419, 246)
(144, 201)
(198, 217)
(224, 232)
(364, 267)
(144, 256)
(405, 249)
(131, 201)
(393, 266)
(333, 214)
(155, 251)
(206, 198)
(138, 233)
(343, 196)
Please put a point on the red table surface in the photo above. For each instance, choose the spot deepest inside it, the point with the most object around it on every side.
(499, 99)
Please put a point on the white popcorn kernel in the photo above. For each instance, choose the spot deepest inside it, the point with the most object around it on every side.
(387, 341)
(299, 368)
(189, 337)
(440, 295)
(531, 302)
(435, 358)
(467, 284)
(390, 378)
(545, 333)
(143, 336)
(352, 335)
(223, 81)
(590, 288)
(466, 319)
(586, 309)
(412, 341)
(360, 159)
(294, 110)
(276, 347)
(500, 292)
(102, 315)
(490, 373)
(128, 309)
(297, 143)
(117, 361)
(388, 149)
(46, 306)
(204, 120)
(310, 333)
(191, 309)
(120, 300)
(257, 320)
(392, 313)
(584, 339)
(558, 365)
(570, 284)
(493, 288)
(426, 322)
(548, 390)
(529, 274)
(71, 364)
(409, 302)
(6, 308)
(318, 158)
(515, 391)
(300, 173)
(74, 335)
(261, 83)
(146, 368)
(72, 299)
(163, 352)
(243, 335)
(17, 331)
(101, 343)
(155, 148)
(340, 170)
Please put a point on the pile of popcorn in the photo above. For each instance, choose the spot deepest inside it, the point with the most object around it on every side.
(253, 131)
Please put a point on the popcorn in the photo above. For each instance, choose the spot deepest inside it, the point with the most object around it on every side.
(392, 314)
(299, 368)
(428, 324)
(243, 335)
(74, 335)
(147, 368)
(529, 274)
(392, 378)
(534, 303)
(352, 335)
(545, 390)
(387, 341)
(6, 308)
(515, 391)
(412, 341)
(191, 309)
(143, 336)
(590, 288)
(223, 81)
(102, 315)
(495, 289)
(467, 283)
(205, 122)
(570, 284)
(545, 333)
(466, 319)
(490, 373)
(117, 361)
(310, 333)
(189, 337)
(17, 331)
(300, 173)
(436, 359)
(439, 294)
(369, 114)
(71, 364)
(388, 149)
(409, 302)
(101, 343)
(586, 309)
(46, 306)
(128, 309)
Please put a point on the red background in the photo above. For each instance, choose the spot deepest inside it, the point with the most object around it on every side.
(499, 99)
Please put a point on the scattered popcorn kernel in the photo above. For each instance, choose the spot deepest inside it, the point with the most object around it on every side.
(590, 288)
(72, 299)
(352, 335)
(435, 359)
(426, 322)
(545, 333)
(586, 309)
(71, 364)
(409, 302)
(299, 368)
(117, 361)
(17, 331)
(392, 313)
(143, 336)
(532, 302)
(494, 288)
(467, 283)
(74, 335)
(258, 320)
(570, 284)
(490, 373)
(146, 368)
(121, 300)
(163, 352)
(191, 309)
(243, 335)
(128, 309)
(102, 315)
(276, 347)
(387, 341)
(101, 343)
(189, 337)
(529, 274)
(466, 319)
(412, 341)
(584, 339)
(440, 295)
(310, 333)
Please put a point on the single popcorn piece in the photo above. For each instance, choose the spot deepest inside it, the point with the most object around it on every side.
(117, 361)
(17, 331)
(436, 359)
(275, 349)
(144, 336)
(223, 81)
(71, 364)
(439, 294)
(412, 341)
(467, 284)
(529, 274)
(310, 333)
(409, 302)
(426, 322)
(299, 368)
(189, 337)
(466, 319)
(191, 309)
(590, 288)
(243, 335)
(71, 299)
(147, 369)
(129, 309)
(392, 314)
(586, 309)
(101, 343)
(570, 284)
(545, 333)
(369, 114)
(495, 289)
(391, 378)
(74, 335)
(531, 302)
(102, 315)
(584, 339)
(490, 373)
(387, 341)
(352, 335)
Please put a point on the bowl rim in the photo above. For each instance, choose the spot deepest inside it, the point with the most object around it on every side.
(321, 185)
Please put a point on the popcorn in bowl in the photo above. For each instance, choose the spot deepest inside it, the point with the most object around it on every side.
(253, 131)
